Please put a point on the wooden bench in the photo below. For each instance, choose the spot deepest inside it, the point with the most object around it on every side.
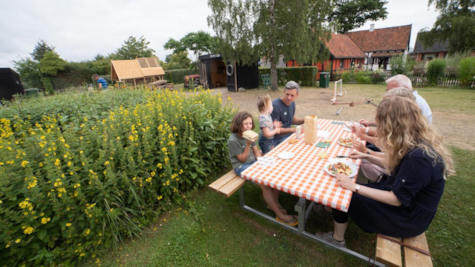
(228, 184)
(389, 252)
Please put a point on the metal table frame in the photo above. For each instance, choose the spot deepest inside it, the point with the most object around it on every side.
(303, 214)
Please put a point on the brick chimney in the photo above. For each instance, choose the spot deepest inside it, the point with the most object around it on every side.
(371, 27)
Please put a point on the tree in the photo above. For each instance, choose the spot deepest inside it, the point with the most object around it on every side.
(353, 14)
(133, 48)
(40, 50)
(250, 28)
(51, 63)
(179, 60)
(29, 72)
(199, 42)
(455, 24)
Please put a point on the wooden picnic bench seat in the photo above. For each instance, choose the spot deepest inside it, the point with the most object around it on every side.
(228, 184)
(389, 252)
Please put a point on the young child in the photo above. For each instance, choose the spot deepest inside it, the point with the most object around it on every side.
(268, 128)
(243, 153)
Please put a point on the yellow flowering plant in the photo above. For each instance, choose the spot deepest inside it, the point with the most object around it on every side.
(80, 178)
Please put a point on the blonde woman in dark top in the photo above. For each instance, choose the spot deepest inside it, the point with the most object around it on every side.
(417, 165)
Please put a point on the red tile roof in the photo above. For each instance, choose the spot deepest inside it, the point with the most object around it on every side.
(341, 46)
(394, 38)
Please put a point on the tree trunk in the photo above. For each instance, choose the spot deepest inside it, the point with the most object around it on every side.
(272, 56)
(273, 75)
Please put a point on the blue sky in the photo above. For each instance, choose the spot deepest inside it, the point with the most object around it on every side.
(82, 29)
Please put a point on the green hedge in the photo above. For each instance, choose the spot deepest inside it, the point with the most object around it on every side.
(178, 76)
(72, 187)
(467, 71)
(435, 71)
(305, 76)
(78, 74)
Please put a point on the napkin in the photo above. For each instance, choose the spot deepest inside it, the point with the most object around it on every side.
(265, 161)
(322, 145)
(337, 122)
(323, 134)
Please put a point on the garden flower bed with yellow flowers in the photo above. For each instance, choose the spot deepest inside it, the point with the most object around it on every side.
(78, 180)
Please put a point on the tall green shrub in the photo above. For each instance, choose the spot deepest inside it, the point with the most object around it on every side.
(435, 71)
(70, 188)
(467, 71)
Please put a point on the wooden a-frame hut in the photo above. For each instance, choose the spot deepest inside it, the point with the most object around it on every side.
(136, 71)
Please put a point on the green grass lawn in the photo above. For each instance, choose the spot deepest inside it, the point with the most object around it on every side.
(216, 232)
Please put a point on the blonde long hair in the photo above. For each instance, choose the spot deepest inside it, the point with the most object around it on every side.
(402, 127)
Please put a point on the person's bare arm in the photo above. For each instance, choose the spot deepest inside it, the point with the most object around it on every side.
(245, 154)
(355, 154)
(360, 132)
(286, 131)
(387, 197)
(256, 151)
(268, 133)
(367, 123)
(297, 121)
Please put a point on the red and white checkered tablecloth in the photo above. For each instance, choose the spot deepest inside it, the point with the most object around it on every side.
(303, 175)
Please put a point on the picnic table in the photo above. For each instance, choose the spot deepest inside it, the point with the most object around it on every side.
(304, 176)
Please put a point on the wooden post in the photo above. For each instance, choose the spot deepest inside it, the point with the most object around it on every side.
(135, 83)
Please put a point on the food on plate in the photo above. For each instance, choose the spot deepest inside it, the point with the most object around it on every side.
(346, 141)
(250, 135)
(323, 154)
(293, 141)
(339, 167)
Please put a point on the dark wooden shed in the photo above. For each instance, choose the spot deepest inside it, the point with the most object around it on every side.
(10, 84)
(215, 73)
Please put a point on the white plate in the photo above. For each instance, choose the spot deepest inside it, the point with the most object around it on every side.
(344, 144)
(351, 164)
(285, 155)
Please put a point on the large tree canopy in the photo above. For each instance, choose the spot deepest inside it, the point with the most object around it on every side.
(198, 42)
(133, 48)
(456, 23)
(353, 14)
(248, 29)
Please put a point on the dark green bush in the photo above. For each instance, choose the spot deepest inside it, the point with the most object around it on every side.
(363, 77)
(467, 71)
(435, 71)
(178, 76)
(348, 76)
(377, 77)
(305, 76)
(48, 86)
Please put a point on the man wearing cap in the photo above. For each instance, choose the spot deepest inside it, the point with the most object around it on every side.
(284, 111)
